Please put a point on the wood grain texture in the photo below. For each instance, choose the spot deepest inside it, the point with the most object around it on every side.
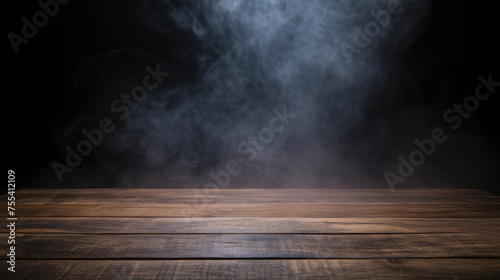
(254, 225)
(297, 210)
(176, 196)
(381, 269)
(243, 246)
(135, 234)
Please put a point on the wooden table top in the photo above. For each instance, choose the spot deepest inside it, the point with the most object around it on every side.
(119, 234)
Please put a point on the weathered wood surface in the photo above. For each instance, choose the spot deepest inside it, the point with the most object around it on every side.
(255, 196)
(255, 234)
(255, 246)
(254, 225)
(280, 210)
(317, 269)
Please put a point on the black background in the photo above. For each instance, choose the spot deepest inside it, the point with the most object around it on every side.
(461, 40)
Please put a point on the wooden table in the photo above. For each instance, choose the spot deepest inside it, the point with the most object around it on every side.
(255, 234)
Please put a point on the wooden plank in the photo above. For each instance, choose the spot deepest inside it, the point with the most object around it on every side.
(485, 269)
(256, 234)
(253, 225)
(245, 196)
(255, 246)
(304, 210)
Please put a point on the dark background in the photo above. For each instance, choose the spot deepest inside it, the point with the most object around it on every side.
(460, 43)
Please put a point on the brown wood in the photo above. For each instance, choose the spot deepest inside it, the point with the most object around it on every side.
(297, 210)
(224, 196)
(254, 225)
(255, 234)
(244, 246)
(438, 269)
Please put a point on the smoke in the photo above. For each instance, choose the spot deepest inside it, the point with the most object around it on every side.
(253, 57)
